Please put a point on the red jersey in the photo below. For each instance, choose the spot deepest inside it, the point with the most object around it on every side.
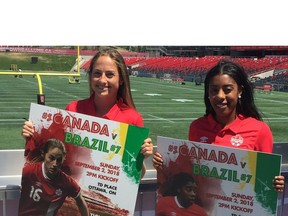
(119, 112)
(42, 196)
(169, 206)
(245, 133)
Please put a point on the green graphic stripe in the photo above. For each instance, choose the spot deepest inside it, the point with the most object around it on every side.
(265, 193)
(132, 158)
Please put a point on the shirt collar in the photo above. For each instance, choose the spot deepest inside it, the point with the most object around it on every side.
(112, 113)
(177, 202)
(43, 172)
(114, 110)
(234, 126)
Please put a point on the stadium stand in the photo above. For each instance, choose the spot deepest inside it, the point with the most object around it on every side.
(191, 68)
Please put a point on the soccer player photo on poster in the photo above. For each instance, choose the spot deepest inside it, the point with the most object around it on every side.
(78, 164)
(220, 180)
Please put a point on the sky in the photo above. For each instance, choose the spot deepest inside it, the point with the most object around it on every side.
(147, 22)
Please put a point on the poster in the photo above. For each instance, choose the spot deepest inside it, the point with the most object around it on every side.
(103, 157)
(230, 182)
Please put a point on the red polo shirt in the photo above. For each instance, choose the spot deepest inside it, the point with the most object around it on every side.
(119, 112)
(169, 206)
(245, 133)
(42, 196)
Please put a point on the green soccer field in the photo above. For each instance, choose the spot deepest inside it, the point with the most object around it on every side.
(167, 108)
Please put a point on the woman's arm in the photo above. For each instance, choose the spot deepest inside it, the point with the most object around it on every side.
(147, 151)
(82, 206)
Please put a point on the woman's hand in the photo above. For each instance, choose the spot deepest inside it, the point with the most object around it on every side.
(157, 160)
(27, 129)
(147, 148)
(278, 183)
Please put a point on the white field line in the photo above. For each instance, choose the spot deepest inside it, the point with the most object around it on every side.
(52, 89)
(273, 114)
(156, 118)
(276, 101)
(168, 86)
(159, 118)
(283, 119)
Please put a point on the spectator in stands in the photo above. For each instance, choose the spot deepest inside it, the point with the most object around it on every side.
(181, 199)
(45, 187)
(231, 118)
(110, 96)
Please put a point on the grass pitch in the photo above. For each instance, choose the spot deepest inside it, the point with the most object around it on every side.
(167, 108)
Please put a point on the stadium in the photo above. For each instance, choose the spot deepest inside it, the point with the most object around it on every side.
(167, 88)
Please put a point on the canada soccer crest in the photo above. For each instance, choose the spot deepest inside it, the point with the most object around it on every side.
(236, 140)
